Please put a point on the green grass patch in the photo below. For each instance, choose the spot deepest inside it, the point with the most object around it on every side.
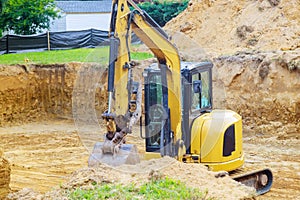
(96, 55)
(160, 189)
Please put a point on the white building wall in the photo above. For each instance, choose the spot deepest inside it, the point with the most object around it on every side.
(58, 24)
(83, 21)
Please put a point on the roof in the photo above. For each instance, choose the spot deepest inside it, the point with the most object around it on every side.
(84, 6)
(187, 65)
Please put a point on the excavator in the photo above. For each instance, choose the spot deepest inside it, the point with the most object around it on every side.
(175, 99)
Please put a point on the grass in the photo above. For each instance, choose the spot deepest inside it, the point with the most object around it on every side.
(98, 55)
(159, 189)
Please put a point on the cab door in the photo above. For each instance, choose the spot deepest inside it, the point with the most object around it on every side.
(197, 100)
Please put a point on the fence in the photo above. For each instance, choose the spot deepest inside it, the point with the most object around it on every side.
(53, 41)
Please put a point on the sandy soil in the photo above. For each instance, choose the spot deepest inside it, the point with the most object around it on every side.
(39, 153)
(281, 156)
(5, 176)
(222, 27)
(44, 155)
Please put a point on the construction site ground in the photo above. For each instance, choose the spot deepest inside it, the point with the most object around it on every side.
(51, 118)
(44, 154)
(50, 115)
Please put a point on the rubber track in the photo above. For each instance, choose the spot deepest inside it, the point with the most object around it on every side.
(261, 180)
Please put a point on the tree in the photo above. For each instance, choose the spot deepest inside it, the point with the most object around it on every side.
(2, 2)
(27, 16)
(163, 11)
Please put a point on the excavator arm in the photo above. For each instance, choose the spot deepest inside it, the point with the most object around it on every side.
(124, 94)
(123, 21)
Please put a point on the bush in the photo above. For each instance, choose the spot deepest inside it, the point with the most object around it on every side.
(164, 11)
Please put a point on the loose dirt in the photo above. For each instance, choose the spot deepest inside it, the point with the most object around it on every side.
(46, 155)
(49, 158)
(222, 27)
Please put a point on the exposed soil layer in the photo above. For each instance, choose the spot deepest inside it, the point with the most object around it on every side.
(37, 92)
(263, 88)
(4, 176)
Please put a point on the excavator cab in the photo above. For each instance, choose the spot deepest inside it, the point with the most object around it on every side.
(211, 137)
(196, 83)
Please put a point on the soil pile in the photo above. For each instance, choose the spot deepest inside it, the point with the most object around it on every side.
(255, 48)
(225, 27)
(4, 176)
(194, 175)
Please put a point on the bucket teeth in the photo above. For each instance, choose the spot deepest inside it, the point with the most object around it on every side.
(127, 154)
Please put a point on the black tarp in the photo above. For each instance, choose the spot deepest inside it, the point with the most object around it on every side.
(78, 39)
(18, 43)
(57, 40)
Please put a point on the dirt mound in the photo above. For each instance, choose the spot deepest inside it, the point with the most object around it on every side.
(4, 176)
(255, 48)
(224, 27)
(194, 175)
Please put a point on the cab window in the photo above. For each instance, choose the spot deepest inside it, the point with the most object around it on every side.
(202, 99)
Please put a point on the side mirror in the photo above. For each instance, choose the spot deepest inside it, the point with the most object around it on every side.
(197, 86)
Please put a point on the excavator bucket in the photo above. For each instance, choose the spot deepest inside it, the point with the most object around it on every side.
(127, 154)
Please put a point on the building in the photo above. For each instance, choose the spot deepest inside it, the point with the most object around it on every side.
(82, 15)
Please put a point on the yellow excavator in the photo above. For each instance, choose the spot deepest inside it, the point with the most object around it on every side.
(179, 121)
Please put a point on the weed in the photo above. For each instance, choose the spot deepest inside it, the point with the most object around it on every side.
(292, 65)
(243, 30)
(159, 189)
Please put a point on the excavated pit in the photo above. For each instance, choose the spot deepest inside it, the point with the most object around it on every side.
(64, 123)
(36, 92)
(49, 114)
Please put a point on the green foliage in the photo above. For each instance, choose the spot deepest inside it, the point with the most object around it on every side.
(105, 192)
(27, 16)
(163, 11)
(2, 2)
(97, 55)
(168, 189)
(160, 189)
